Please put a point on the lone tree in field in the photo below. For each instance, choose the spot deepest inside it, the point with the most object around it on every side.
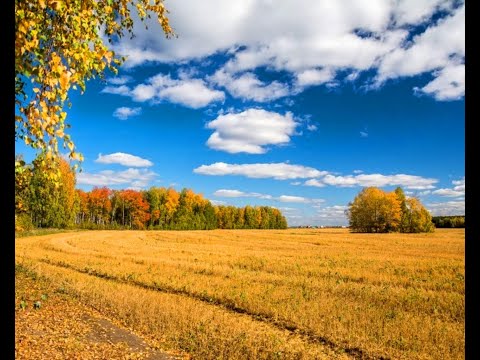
(374, 210)
(59, 45)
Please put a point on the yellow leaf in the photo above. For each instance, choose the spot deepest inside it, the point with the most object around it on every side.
(65, 80)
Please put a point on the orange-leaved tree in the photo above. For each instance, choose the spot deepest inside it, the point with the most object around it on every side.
(374, 210)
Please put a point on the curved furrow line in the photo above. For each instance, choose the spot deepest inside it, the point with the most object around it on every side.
(309, 335)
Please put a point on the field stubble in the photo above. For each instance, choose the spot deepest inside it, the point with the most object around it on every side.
(303, 293)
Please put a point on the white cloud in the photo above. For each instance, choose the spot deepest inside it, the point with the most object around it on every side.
(314, 182)
(250, 131)
(417, 11)
(298, 199)
(312, 127)
(448, 193)
(123, 113)
(363, 134)
(441, 46)
(459, 184)
(324, 215)
(131, 178)
(454, 207)
(449, 84)
(123, 90)
(314, 77)
(357, 171)
(248, 86)
(123, 159)
(192, 93)
(238, 193)
(120, 80)
(288, 209)
(281, 198)
(342, 181)
(457, 191)
(278, 171)
(408, 181)
(217, 202)
(303, 36)
(335, 212)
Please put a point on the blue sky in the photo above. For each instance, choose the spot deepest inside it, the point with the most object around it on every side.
(296, 105)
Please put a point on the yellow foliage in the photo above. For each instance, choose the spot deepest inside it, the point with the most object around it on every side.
(62, 48)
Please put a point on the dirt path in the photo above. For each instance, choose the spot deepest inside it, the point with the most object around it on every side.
(52, 325)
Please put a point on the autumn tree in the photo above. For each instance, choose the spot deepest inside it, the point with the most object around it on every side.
(60, 45)
(156, 198)
(374, 210)
(99, 205)
(402, 227)
(51, 204)
(171, 204)
(133, 211)
(23, 174)
(417, 218)
(82, 206)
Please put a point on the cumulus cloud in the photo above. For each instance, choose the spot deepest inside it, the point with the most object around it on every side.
(459, 184)
(448, 208)
(123, 159)
(332, 214)
(130, 178)
(418, 11)
(322, 36)
(324, 215)
(193, 93)
(238, 193)
(123, 90)
(281, 198)
(311, 77)
(248, 86)
(449, 84)
(123, 113)
(217, 202)
(408, 181)
(448, 193)
(298, 199)
(120, 80)
(440, 45)
(278, 171)
(457, 191)
(250, 131)
(314, 182)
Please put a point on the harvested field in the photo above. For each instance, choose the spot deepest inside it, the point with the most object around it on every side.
(268, 294)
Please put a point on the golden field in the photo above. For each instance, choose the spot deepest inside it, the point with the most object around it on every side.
(269, 294)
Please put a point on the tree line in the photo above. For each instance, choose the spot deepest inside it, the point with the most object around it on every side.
(40, 202)
(374, 210)
(457, 221)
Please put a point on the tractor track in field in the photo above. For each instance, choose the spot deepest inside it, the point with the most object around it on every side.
(309, 336)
